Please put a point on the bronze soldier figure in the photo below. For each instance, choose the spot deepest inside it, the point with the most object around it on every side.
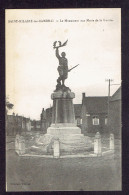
(63, 66)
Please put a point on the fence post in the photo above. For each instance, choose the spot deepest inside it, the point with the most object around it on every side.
(21, 145)
(111, 141)
(37, 136)
(56, 153)
(97, 144)
(17, 144)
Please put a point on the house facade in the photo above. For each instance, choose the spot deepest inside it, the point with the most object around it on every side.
(94, 114)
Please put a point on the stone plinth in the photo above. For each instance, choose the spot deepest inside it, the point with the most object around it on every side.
(63, 128)
(63, 109)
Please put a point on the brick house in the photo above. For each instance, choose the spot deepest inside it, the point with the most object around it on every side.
(94, 114)
(115, 113)
(77, 110)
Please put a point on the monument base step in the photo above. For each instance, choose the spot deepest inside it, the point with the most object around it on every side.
(67, 142)
(63, 130)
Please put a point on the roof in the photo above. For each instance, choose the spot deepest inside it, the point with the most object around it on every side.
(77, 109)
(116, 95)
(96, 104)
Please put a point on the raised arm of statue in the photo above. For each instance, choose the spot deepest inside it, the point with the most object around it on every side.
(57, 53)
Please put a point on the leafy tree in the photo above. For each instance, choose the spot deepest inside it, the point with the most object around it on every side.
(9, 105)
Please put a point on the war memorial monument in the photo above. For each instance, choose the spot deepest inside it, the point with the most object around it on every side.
(63, 137)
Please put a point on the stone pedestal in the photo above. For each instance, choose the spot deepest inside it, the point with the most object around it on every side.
(63, 109)
(63, 125)
(63, 128)
(63, 116)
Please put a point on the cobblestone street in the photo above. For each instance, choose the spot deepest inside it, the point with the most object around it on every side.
(69, 174)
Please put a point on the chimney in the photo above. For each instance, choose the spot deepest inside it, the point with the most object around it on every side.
(83, 95)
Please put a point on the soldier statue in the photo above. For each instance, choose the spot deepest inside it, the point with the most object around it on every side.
(63, 66)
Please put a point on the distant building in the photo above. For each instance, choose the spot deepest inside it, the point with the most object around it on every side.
(36, 125)
(16, 124)
(115, 113)
(33, 125)
(43, 121)
(94, 114)
(28, 124)
(48, 117)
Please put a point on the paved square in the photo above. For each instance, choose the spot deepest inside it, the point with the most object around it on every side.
(69, 174)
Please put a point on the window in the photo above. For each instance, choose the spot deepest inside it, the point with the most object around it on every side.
(81, 121)
(95, 120)
(106, 120)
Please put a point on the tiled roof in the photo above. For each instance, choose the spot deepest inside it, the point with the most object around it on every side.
(96, 104)
(77, 109)
(116, 95)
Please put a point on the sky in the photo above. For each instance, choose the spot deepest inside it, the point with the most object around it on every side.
(94, 42)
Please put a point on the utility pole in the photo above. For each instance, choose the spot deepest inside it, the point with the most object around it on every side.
(109, 85)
